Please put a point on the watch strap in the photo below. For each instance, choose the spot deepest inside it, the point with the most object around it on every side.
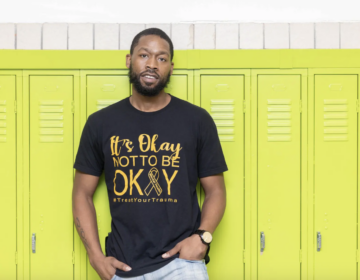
(207, 257)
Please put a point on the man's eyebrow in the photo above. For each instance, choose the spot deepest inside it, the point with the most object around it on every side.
(161, 52)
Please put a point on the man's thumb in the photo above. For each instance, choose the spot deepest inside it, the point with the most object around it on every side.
(172, 252)
(122, 266)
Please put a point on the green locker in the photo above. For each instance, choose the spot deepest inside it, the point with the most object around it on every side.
(279, 176)
(51, 178)
(293, 179)
(222, 96)
(178, 85)
(335, 177)
(8, 176)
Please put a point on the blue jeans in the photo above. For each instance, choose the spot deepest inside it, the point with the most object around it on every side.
(178, 269)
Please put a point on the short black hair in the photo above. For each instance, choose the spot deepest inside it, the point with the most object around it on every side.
(152, 31)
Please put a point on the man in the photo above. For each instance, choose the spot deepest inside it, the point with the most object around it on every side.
(152, 147)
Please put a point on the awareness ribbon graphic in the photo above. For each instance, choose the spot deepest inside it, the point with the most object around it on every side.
(153, 176)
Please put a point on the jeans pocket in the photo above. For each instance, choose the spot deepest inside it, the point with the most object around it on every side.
(114, 277)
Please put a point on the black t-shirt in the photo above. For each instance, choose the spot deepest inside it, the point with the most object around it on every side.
(152, 162)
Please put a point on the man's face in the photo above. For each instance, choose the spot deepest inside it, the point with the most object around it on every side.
(150, 67)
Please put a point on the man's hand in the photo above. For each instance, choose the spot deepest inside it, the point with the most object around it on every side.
(106, 267)
(190, 248)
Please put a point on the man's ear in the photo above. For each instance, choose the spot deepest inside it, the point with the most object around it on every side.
(128, 60)
(172, 68)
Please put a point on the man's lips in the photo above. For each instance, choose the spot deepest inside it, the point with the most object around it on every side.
(150, 74)
(149, 78)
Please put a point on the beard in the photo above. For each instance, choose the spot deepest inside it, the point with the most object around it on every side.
(147, 90)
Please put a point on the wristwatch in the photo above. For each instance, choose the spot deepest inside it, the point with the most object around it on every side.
(205, 236)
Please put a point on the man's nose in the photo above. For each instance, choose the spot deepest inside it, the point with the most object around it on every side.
(152, 62)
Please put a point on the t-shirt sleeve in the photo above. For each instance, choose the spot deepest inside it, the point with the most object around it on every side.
(89, 158)
(211, 158)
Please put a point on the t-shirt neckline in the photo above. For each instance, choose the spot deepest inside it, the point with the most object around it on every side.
(151, 113)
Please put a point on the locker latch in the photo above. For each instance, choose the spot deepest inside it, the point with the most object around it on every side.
(33, 242)
(318, 241)
(262, 241)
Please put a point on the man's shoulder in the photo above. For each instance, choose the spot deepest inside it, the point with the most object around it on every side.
(188, 107)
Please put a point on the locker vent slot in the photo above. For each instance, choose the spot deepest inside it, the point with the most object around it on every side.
(2, 121)
(279, 120)
(100, 104)
(51, 121)
(108, 87)
(335, 124)
(222, 111)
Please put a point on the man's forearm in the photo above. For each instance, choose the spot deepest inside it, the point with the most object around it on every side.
(213, 210)
(85, 220)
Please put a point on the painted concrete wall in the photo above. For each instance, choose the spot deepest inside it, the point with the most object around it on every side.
(113, 36)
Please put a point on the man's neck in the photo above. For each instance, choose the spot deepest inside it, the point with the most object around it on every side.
(149, 103)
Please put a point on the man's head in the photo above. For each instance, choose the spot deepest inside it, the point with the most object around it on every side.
(150, 61)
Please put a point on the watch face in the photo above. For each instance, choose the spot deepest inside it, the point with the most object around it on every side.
(207, 237)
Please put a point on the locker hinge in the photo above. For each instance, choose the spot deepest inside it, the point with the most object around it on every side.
(15, 106)
(16, 258)
(73, 257)
(243, 256)
(72, 107)
(300, 106)
(357, 255)
(300, 256)
(244, 106)
(357, 105)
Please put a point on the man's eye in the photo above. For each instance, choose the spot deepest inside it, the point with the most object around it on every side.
(143, 54)
(163, 59)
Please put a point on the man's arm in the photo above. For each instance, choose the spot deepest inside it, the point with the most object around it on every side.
(215, 201)
(85, 220)
(213, 210)
(84, 213)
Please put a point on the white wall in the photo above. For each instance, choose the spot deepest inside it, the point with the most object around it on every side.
(170, 11)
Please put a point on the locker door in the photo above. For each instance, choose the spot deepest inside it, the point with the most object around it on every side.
(8, 177)
(279, 130)
(222, 96)
(335, 175)
(51, 177)
(103, 91)
(178, 86)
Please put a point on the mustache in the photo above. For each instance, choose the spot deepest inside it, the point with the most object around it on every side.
(150, 72)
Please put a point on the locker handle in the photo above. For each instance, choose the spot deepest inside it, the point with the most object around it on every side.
(262, 241)
(318, 241)
(33, 243)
